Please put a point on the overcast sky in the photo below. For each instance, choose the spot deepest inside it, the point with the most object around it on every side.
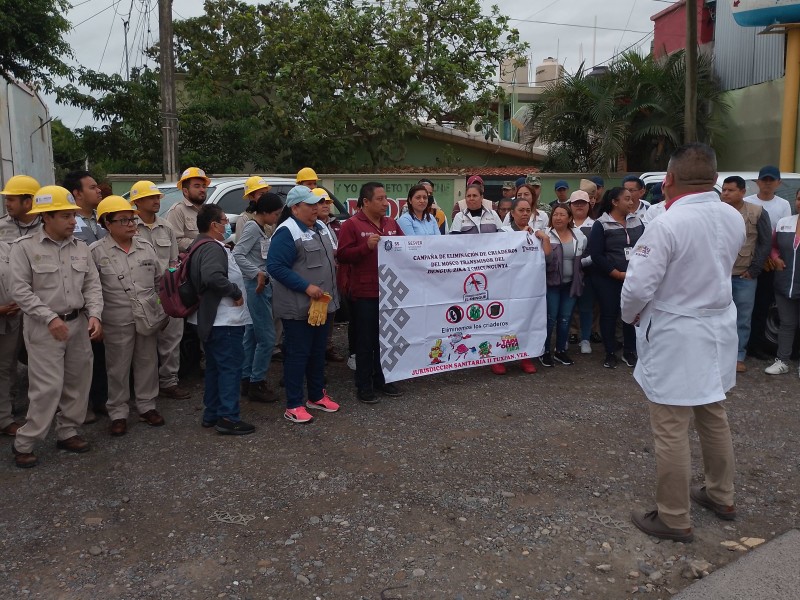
(549, 26)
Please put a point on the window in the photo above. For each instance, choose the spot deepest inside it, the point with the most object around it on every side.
(232, 201)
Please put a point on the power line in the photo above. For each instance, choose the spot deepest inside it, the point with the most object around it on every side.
(100, 12)
(575, 25)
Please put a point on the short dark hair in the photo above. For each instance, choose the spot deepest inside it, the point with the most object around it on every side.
(504, 200)
(633, 179)
(208, 214)
(74, 180)
(516, 201)
(570, 223)
(740, 183)
(428, 181)
(267, 203)
(367, 191)
(694, 165)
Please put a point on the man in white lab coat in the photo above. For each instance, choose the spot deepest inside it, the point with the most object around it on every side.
(677, 291)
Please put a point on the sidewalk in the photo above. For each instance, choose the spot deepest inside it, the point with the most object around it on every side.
(770, 572)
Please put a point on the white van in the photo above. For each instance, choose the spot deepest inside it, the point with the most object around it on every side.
(790, 183)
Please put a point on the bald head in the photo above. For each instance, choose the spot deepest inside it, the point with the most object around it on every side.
(692, 168)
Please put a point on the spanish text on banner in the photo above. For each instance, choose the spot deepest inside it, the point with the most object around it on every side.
(461, 301)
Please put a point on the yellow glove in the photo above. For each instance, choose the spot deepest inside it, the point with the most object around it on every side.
(318, 310)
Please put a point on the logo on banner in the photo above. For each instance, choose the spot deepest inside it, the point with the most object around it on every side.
(476, 287)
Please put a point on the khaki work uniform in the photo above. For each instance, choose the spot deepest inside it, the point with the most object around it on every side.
(9, 340)
(164, 242)
(136, 271)
(11, 228)
(52, 279)
(182, 217)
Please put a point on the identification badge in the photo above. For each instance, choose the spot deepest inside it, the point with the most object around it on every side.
(264, 247)
(628, 252)
(307, 236)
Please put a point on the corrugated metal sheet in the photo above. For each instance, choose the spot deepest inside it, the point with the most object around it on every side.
(742, 57)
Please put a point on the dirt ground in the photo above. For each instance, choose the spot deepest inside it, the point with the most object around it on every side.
(469, 486)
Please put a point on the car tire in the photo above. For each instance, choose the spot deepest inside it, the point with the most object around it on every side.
(770, 345)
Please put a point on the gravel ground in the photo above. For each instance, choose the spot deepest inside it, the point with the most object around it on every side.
(469, 486)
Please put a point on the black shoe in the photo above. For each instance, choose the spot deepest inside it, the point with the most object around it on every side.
(610, 362)
(244, 387)
(389, 389)
(261, 392)
(277, 356)
(563, 358)
(595, 338)
(228, 427)
(629, 358)
(573, 338)
(367, 397)
(208, 424)
(546, 359)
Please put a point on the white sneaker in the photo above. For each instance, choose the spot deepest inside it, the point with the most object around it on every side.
(777, 368)
(586, 347)
(351, 362)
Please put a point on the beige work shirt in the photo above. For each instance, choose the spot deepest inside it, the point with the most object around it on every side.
(7, 324)
(162, 238)
(135, 270)
(182, 217)
(11, 228)
(51, 278)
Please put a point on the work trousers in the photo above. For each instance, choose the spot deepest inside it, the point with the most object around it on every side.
(608, 292)
(59, 375)
(670, 426)
(304, 359)
(368, 351)
(789, 314)
(9, 348)
(169, 353)
(125, 349)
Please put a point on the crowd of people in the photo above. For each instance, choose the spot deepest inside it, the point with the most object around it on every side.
(81, 273)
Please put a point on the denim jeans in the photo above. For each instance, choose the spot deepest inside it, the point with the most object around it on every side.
(368, 349)
(224, 357)
(608, 292)
(559, 312)
(304, 358)
(744, 297)
(259, 338)
(585, 306)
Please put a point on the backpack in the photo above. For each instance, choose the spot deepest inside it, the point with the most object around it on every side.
(179, 298)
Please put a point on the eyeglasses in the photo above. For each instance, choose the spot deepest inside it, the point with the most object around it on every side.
(224, 221)
(124, 220)
(328, 201)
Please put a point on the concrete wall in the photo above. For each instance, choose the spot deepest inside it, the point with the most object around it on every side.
(753, 128)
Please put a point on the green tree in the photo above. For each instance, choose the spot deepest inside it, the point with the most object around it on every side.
(322, 78)
(32, 41)
(128, 139)
(635, 111)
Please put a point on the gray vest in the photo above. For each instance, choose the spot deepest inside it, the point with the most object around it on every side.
(314, 263)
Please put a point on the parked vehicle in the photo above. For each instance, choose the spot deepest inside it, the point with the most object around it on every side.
(790, 184)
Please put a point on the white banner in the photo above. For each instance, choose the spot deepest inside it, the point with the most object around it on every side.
(459, 301)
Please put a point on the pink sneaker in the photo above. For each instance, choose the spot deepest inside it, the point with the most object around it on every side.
(325, 404)
(298, 415)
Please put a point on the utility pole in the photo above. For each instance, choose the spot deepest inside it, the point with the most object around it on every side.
(125, 26)
(690, 100)
(169, 114)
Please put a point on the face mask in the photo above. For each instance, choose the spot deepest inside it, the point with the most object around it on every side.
(228, 230)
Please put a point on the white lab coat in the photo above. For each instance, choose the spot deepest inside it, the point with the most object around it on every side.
(679, 283)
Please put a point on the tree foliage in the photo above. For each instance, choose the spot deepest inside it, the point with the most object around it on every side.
(311, 82)
(32, 41)
(635, 111)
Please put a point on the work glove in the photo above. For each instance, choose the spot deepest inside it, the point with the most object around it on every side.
(318, 310)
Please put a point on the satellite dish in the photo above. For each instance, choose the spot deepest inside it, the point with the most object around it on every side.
(518, 120)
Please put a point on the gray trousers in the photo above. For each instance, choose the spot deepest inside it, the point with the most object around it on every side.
(789, 314)
(9, 348)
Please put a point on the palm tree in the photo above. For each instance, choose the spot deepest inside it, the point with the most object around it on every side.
(635, 111)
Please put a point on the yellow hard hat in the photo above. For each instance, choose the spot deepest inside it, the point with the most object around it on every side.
(306, 174)
(21, 185)
(193, 173)
(144, 189)
(52, 198)
(321, 193)
(255, 183)
(111, 204)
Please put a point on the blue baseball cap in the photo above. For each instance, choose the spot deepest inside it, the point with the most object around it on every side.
(656, 193)
(561, 184)
(769, 171)
(520, 181)
(598, 181)
(301, 193)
